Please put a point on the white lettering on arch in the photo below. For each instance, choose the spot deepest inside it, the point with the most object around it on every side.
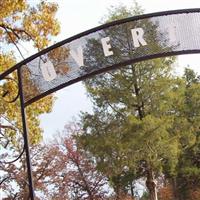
(137, 35)
(77, 55)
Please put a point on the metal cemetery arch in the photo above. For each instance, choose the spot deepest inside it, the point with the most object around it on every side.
(100, 49)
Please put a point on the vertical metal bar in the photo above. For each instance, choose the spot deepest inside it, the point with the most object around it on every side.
(25, 135)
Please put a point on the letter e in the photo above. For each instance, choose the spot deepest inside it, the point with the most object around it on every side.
(106, 46)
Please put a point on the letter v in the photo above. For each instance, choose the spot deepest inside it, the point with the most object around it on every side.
(78, 56)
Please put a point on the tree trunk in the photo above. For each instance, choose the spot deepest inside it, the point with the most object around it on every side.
(151, 185)
(118, 192)
(174, 188)
(132, 189)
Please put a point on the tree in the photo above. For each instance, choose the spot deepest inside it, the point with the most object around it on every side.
(130, 132)
(83, 180)
(187, 180)
(48, 164)
(23, 22)
(61, 171)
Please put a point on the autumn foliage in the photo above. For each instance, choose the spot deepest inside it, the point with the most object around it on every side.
(21, 23)
(166, 193)
(61, 171)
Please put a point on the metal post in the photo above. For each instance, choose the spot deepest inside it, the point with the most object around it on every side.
(25, 135)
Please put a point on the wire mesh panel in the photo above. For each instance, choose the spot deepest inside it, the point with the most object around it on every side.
(110, 46)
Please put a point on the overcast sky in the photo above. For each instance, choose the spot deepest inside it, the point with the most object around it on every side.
(76, 16)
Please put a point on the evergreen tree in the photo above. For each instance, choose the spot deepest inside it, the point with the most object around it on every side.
(130, 132)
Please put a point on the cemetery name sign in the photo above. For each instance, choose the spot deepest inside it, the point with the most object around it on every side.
(107, 47)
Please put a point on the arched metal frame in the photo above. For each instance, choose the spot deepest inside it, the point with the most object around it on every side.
(169, 50)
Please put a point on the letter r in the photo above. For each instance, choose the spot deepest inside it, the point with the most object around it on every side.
(137, 35)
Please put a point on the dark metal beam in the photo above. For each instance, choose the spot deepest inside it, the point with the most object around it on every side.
(25, 135)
